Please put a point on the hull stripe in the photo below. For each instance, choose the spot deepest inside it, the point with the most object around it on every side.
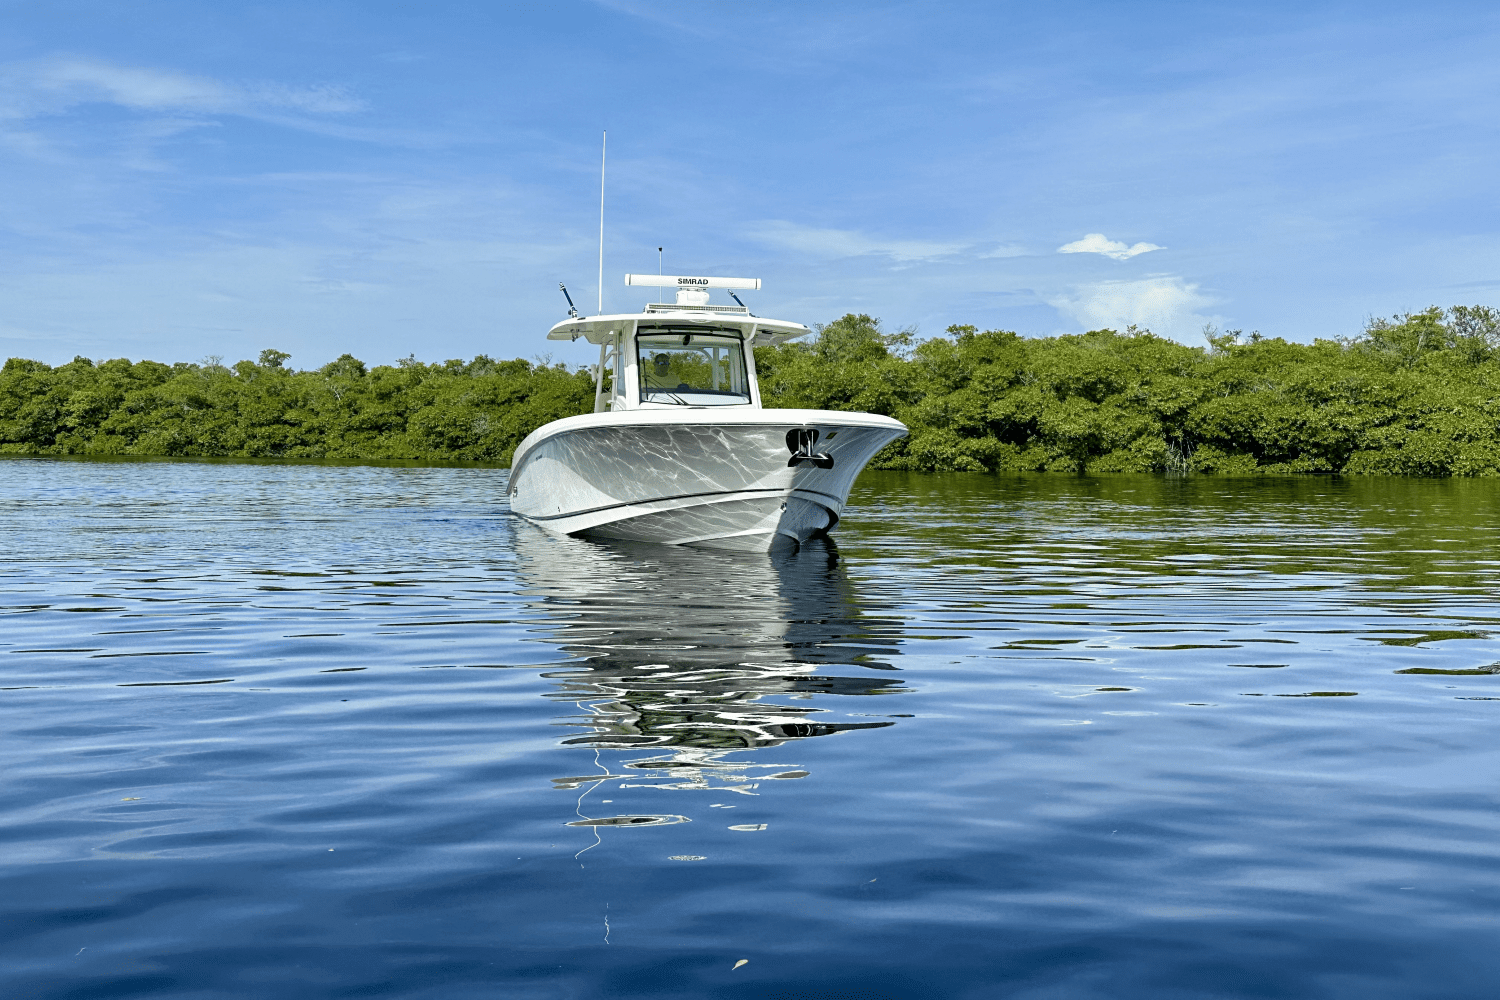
(680, 496)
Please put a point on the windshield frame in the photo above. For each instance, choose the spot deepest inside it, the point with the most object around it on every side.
(655, 339)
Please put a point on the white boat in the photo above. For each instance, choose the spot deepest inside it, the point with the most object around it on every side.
(678, 449)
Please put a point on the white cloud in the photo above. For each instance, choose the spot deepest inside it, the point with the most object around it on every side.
(847, 242)
(1099, 243)
(1165, 304)
(50, 86)
(1004, 250)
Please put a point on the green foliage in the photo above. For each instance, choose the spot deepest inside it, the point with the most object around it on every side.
(1417, 394)
(453, 411)
(1413, 395)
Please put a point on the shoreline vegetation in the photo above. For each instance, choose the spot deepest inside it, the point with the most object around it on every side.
(1414, 395)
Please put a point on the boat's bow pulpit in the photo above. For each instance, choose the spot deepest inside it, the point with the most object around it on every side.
(687, 353)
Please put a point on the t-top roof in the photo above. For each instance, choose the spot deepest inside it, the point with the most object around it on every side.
(599, 329)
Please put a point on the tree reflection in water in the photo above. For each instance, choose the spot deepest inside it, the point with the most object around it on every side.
(698, 658)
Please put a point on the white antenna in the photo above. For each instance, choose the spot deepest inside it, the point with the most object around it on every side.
(687, 281)
(658, 271)
(692, 290)
(603, 149)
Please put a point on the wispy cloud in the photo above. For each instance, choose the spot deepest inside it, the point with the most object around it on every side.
(39, 92)
(52, 86)
(1004, 250)
(682, 18)
(833, 243)
(1099, 243)
(1165, 304)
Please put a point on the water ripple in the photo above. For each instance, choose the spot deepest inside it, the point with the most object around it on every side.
(315, 730)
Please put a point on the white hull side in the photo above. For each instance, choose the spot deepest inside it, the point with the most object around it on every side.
(702, 478)
(754, 523)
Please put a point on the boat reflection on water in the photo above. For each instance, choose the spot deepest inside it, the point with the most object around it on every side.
(697, 659)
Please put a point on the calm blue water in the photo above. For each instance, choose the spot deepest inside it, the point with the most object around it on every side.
(320, 731)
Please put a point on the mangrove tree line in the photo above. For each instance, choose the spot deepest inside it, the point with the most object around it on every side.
(1418, 394)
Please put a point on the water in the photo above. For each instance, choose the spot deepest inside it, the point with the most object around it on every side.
(322, 731)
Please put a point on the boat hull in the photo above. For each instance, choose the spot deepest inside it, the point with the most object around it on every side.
(748, 479)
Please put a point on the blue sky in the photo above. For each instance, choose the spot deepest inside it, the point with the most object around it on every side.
(180, 180)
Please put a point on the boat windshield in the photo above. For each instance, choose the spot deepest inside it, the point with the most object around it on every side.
(692, 369)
